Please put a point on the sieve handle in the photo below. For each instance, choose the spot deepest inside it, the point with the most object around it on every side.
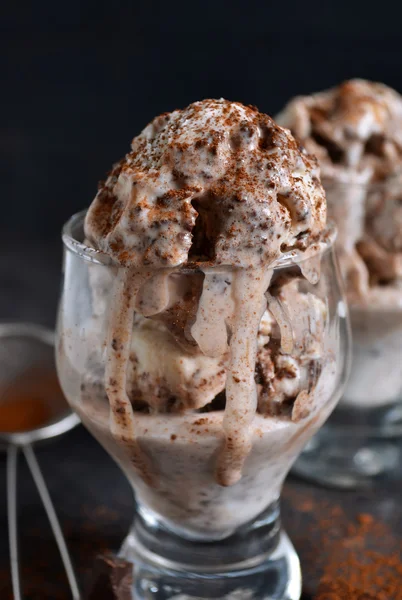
(12, 463)
(53, 520)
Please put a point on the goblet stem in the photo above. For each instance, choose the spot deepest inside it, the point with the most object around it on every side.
(257, 561)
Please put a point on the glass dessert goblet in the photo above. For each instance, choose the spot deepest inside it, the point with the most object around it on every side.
(204, 383)
(354, 130)
(362, 440)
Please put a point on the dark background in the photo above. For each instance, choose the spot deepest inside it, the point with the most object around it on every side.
(81, 78)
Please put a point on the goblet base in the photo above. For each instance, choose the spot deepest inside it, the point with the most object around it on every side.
(355, 449)
(258, 562)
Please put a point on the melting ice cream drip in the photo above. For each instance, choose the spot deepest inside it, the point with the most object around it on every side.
(311, 269)
(283, 321)
(241, 392)
(209, 329)
(122, 423)
(154, 294)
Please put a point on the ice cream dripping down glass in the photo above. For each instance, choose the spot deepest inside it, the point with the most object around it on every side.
(355, 131)
(204, 383)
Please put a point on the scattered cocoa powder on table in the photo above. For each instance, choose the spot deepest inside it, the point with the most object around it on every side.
(347, 559)
(366, 564)
(362, 577)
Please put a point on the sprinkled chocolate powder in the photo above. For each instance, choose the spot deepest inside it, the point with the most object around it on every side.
(344, 558)
(355, 572)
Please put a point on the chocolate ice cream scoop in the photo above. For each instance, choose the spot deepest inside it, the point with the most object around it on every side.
(354, 127)
(217, 181)
(355, 130)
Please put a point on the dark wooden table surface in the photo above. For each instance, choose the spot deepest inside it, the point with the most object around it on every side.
(95, 503)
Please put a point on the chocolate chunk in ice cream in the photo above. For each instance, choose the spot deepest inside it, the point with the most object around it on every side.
(112, 580)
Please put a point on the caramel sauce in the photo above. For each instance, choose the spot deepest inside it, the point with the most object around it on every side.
(31, 401)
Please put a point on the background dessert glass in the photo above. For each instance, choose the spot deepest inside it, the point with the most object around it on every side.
(191, 535)
(362, 439)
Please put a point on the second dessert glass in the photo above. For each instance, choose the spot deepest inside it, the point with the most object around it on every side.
(361, 442)
(202, 528)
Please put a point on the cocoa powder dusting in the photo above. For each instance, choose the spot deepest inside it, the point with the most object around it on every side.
(344, 558)
(198, 180)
